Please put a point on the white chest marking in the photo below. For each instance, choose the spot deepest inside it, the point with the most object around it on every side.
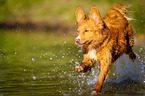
(92, 53)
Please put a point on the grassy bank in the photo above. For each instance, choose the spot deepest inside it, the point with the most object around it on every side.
(62, 12)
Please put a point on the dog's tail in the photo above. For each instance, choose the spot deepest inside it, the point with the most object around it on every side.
(122, 9)
(116, 16)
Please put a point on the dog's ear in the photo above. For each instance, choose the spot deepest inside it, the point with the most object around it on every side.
(80, 15)
(95, 16)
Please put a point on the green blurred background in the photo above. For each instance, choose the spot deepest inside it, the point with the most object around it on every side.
(54, 14)
(38, 54)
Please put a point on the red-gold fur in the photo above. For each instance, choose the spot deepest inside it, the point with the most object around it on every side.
(103, 41)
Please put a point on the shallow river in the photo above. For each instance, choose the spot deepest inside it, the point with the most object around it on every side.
(34, 63)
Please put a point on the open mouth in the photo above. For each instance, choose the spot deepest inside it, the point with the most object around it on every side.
(77, 42)
(87, 42)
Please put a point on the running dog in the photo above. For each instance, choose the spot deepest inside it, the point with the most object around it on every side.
(103, 41)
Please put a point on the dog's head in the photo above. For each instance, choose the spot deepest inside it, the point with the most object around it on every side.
(91, 29)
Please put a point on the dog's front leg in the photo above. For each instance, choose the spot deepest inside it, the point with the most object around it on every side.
(85, 65)
(101, 78)
(105, 63)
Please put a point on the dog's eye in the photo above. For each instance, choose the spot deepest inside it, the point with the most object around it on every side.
(86, 30)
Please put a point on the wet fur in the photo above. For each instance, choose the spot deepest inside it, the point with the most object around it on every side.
(103, 41)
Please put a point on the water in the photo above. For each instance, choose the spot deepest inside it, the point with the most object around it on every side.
(36, 63)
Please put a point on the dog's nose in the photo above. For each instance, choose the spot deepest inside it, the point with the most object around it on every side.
(77, 41)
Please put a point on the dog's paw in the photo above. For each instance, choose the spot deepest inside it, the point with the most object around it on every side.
(79, 69)
(95, 92)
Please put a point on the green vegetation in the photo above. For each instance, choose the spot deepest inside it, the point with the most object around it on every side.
(63, 11)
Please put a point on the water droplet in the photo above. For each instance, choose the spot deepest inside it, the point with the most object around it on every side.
(80, 51)
(34, 77)
(77, 62)
(64, 72)
(33, 59)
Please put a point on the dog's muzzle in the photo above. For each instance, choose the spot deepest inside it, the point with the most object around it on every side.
(77, 41)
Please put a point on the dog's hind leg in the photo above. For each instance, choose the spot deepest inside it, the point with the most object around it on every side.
(130, 42)
(130, 52)
(130, 35)
(132, 55)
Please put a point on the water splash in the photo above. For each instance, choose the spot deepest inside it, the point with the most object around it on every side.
(124, 69)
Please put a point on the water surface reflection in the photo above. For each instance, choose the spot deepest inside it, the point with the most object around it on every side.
(44, 64)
